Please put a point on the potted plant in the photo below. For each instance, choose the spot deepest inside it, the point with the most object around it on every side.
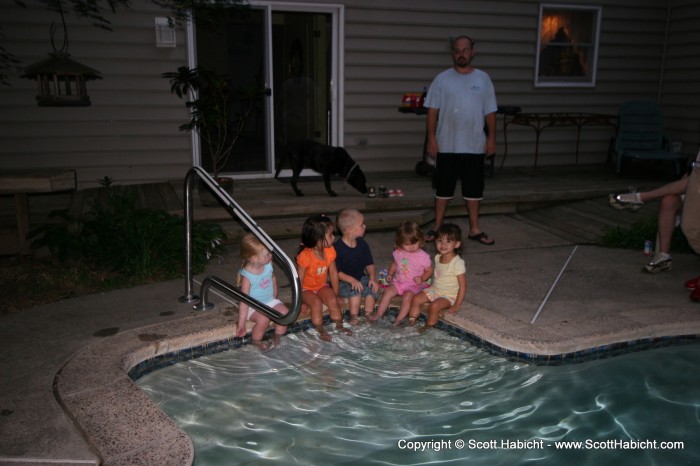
(212, 103)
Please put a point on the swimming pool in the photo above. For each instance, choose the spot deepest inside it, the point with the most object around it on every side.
(391, 396)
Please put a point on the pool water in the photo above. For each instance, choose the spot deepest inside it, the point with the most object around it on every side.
(392, 396)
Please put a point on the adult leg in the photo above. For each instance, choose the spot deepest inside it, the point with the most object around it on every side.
(634, 201)
(473, 211)
(677, 187)
(440, 209)
(669, 208)
(472, 192)
(668, 211)
(447, 169)
(690, 224)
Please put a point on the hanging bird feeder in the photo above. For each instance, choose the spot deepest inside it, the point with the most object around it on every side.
(61, 80)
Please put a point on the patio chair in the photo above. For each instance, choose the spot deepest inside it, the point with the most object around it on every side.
(639, 136)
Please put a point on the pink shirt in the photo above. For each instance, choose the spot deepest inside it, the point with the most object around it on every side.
(408, 266)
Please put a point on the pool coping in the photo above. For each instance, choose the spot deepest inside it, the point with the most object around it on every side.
(125, 427)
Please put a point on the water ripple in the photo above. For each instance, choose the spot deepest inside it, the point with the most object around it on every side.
(352, 401)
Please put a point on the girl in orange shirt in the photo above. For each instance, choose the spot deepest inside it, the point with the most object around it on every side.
(315, 263)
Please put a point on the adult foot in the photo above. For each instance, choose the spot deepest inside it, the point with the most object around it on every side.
(628, 201)
(483, 238)
(661, 262)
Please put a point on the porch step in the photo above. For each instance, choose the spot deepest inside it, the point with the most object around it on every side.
(290, 227)
(273, 205)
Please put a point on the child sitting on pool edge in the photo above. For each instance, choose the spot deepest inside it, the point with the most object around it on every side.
(356, 271)
(408, 271)
(315, 264)
(257, 279)
(449, 286)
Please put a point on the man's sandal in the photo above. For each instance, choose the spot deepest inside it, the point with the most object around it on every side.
(483, 238)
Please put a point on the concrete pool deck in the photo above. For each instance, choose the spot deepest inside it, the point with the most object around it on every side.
(67, 399)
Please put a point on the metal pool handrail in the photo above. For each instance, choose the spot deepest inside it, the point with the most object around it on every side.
(227, 288)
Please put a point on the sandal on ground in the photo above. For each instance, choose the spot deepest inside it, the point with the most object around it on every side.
(430, 236)
(483, 238)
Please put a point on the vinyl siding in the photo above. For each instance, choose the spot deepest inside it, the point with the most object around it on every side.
(393, 47)
(130, 132)
(680, 90)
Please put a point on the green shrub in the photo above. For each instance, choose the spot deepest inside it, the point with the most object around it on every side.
(136, 243)
(633, 237)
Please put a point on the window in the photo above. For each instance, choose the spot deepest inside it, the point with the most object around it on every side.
(567, 46)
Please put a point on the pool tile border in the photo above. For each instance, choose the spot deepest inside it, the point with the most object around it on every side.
(576, 357)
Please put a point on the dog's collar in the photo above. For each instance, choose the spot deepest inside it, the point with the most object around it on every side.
(347, 175)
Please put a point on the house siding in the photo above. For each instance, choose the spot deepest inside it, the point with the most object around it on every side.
(392, 48)
(130, 133)
(680, 89)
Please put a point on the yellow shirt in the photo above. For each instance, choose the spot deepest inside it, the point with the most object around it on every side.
(445, 276)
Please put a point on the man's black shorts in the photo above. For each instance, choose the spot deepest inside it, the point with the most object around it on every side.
(469, 168)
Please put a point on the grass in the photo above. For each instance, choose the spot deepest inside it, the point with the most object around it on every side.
(633, 237)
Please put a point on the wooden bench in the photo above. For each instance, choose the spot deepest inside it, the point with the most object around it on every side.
(21, 183)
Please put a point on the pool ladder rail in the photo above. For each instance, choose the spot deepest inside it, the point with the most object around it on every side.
(212, 281)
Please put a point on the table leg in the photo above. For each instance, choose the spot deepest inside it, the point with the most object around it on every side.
(505, 140)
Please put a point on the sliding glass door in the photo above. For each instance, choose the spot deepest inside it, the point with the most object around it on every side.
(290, 56)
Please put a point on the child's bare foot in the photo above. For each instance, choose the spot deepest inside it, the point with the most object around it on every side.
(397, 323)
(424, 328)
(371, 317)
(322, 333)
(353, 320)
(411, 321)
(340, 328)
(262, 346)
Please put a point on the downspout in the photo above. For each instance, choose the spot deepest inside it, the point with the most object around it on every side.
(663, 52)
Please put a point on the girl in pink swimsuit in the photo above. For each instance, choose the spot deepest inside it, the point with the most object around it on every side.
(408, 271)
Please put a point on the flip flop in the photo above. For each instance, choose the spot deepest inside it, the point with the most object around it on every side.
(483, 238)
(430, 236)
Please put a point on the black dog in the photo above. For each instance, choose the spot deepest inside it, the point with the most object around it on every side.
(324, 159)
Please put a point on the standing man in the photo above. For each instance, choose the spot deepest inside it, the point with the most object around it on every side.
(464, 99)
